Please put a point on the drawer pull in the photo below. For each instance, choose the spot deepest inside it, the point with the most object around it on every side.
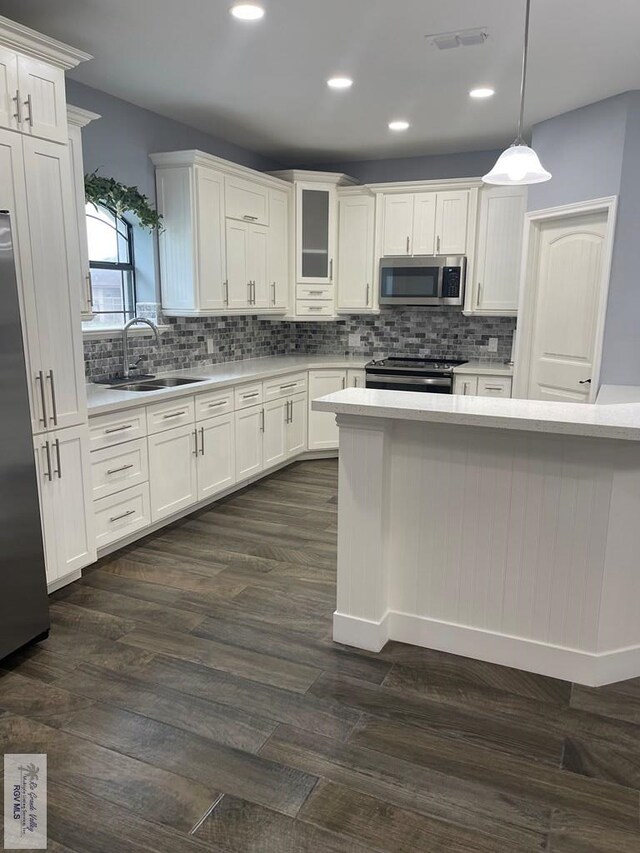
(248, 396)
(290, 385)
(494, 387)
(117, 470)
(118, 429)
(124, 515)
(175, 414)
(250, 218)
(215, 405)
(315, 307)
(315, 292)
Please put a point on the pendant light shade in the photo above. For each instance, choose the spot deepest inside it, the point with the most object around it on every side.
(519, 165)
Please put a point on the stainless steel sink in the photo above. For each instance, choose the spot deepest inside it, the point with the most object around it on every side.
(172, 382)
(136, 386)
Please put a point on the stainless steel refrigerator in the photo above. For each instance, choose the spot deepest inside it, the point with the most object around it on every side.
(24, 609)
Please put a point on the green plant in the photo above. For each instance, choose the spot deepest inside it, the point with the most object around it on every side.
(121, 199)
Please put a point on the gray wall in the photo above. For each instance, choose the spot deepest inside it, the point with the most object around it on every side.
(594, 152)
(119, 145)
(428, 167)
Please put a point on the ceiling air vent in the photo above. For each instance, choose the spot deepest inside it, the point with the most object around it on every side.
(458, 38)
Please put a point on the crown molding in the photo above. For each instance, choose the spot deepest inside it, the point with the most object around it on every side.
(39, 46)
(79, 117)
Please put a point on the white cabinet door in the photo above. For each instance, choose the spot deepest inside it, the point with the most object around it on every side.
(494, 386)
(465, 384)
(315, 232)
(499, 250)
(397, 229)
(77, 177)
(249, 432)
(55, 262)
(356, 378)
(42, 97)
(275, 428)
(424, 224)
(237, 264)
(452, 212)
(296, 437)
(65, 494)
(257, 265)
(246, 201)
(355, 252)
(278, 246)
(211, 262)
(217, 459)
(8, 88)
(173, 466)
(323, 432)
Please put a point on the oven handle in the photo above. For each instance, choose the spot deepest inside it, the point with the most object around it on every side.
(410, 380)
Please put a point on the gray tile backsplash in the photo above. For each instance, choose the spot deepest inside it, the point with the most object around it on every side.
(190, 342)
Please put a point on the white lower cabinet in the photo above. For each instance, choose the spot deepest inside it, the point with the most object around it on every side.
(356, 379)
(173, 470)
(465, 385)
(276, 417)
(122, 514)
(114, 469)
(323, 431)
(474, 385)
(296, 433)
(216, 459)
(64, 479)
(249, 445)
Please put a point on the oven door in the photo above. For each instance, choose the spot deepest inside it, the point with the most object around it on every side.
(410, 281)
(423, 384)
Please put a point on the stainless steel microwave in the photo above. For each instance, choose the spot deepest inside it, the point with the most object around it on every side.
(436, 280)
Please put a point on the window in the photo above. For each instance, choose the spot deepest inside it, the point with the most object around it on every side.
(113, 277)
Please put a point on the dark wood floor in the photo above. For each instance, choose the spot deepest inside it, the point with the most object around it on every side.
(190, 698)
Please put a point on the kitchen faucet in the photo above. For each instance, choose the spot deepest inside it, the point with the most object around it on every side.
(125, 341)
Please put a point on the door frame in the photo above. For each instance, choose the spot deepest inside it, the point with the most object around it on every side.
(534, 220)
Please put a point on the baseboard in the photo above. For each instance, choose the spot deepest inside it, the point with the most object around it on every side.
(64, 581)
(582, 667)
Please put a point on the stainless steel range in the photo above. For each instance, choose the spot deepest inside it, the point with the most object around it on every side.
(427, 375)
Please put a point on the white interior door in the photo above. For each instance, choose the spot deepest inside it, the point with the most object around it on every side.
(568, 282)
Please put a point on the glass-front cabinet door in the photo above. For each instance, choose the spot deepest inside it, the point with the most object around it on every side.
(315, 231)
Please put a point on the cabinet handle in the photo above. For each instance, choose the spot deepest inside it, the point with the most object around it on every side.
(273, 293)
(314, 308)
(87, 279)
(174, 414)
(331, 270)
(57, 447)
(118, 428)
(584, 382)
(249, 396)
(254, 292)
(408, 243)
(124, 515)
(54, 417)
(366, 302)
(118, 470)
(29, 103)
(290, 385)
(202, 440)
(344, 383)
(18, 113)
(47, 450)
(225, 284)
(356, 382)
(43, 401)
(465, 388)
(250, 218)
(438, 244)
(215, 405)
(494, 388)
(195, 439)
(286, 412)
(479, 297)
(261, 420)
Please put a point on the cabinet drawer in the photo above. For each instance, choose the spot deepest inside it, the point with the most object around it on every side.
(114, 428)
(172, 413)
(248, 395)
(120, 515)
(285, 386)
(246, 201)
(465, 384)
(318, 291)
(116, 468)
(214, 403)
(492, 386)
(308, 307)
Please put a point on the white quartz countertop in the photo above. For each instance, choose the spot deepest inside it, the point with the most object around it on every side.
(620, 421)
(101, 399)
(485, 368)
(616, 394)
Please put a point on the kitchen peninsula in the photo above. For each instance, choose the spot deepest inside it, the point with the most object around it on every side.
(504, 530)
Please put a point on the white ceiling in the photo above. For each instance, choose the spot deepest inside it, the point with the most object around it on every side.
(262, 85)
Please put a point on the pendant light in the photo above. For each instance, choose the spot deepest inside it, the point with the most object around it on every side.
(519, 164)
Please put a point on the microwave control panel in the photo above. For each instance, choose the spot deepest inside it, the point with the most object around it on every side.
(451, 281)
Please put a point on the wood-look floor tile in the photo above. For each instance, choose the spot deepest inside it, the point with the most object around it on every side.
(233, 771)
(292, 646)
(151, 793)
(246, 663)
(36, 662)
(429, 792)
(571, 833)
(204, 717)
(599, 762)
(618, 701)
(391, 829)
(31, 698)
(469, 725)
(91, 623)
(305, 710)
(529, 780)
(237, 826)
(316, 588)
(178, 577)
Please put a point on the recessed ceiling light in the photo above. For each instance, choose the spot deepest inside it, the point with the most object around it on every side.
(399, 124)
(247, 11)
(340, 82)
(482, 92)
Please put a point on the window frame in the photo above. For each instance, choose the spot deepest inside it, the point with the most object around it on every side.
(119, 266)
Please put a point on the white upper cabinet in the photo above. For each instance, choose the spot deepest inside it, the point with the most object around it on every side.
(246, 265)
(496, 280)
(9, 89)
(315, 232)
(426, 223)
(43, 111)
(209, 219)
(257, 265)
(356, 215)
(278, 248)
(246, 200)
